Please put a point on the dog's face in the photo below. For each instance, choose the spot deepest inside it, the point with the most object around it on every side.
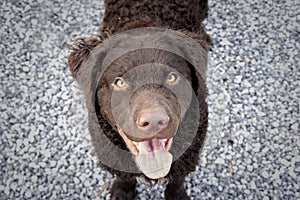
(144, 95)
(145, 87)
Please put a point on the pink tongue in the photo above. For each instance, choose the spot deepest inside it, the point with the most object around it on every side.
(153, 159)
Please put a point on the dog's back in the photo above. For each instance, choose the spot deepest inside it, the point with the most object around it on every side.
(121, 15)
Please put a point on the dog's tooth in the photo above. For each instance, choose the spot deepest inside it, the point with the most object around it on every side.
(135, 143)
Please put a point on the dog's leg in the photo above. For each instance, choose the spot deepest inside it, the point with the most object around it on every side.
(123, 189)
(175, 190)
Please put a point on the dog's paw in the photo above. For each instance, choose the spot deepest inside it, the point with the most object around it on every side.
(123, 189)
(119, 194)
(175, 192)
(178, 195)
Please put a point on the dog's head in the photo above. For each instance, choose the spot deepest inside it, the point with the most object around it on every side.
(144, 92)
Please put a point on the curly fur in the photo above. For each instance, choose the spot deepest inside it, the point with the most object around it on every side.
(179, 15)
(174, 14)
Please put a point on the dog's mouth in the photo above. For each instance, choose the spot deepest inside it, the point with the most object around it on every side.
(151, 156)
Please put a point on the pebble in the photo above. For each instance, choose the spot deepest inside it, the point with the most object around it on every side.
(76, 180)
(238, 79)
(259, 83)
(14, 186)
(295, 127)
(253, 185)
(220, 188)
(34, 179)
(265, 174)
(220, 161)
(294, 169)
(28, 194)
(250, 168)
(246, 83)
(284, 162)
(46, 153)
(256, 147)
(214, 181)
(87, 183)
(297, 168)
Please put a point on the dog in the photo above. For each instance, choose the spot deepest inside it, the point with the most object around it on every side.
(143, 78)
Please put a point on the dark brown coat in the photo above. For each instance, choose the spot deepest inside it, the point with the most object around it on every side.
(122, 15)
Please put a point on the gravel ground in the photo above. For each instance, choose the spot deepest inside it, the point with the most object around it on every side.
(253, 145)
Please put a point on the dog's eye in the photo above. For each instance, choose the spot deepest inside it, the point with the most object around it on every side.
(172, 78)
(120, 83)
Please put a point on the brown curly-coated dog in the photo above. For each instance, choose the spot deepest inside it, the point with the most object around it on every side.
(143, 101)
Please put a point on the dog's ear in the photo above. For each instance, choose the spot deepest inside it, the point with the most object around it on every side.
(200, 36)
(80, 51)
(198, 60)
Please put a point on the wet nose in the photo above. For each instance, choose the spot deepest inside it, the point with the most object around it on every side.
(152, 121)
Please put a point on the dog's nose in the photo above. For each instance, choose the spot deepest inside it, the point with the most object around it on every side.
(152, 121)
